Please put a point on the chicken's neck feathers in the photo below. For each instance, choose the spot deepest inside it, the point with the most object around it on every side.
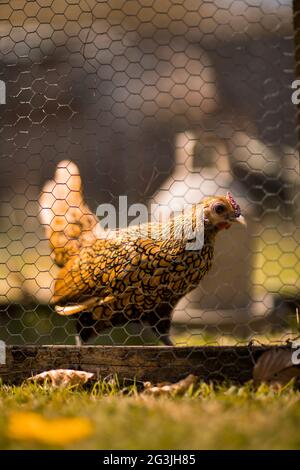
(187, 228)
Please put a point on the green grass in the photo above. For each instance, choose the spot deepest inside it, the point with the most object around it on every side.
(207, 417)
(276, 266)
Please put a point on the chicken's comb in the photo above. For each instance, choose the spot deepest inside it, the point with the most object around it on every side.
(236, 207)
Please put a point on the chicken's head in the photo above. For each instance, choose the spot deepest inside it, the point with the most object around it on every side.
(221, 211)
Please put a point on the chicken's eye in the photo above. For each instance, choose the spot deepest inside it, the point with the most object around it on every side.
(219, 209)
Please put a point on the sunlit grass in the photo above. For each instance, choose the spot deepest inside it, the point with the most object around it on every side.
(276, 266)
(208, 417)
(197, 337)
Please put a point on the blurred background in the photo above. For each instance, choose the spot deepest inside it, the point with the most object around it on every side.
(165, 102)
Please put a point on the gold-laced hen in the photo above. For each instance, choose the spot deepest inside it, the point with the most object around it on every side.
(136, 274)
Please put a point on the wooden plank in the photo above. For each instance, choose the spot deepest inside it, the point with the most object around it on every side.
(154, 363)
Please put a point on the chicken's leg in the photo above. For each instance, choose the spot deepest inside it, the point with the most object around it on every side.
(160, 322)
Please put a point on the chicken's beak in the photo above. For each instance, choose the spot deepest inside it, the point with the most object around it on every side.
(241, 220)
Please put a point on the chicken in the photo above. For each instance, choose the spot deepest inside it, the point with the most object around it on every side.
(133, 274)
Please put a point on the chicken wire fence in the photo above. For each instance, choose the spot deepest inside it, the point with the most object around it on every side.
(155, 102)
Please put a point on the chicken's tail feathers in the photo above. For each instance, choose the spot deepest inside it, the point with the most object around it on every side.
(68, 221)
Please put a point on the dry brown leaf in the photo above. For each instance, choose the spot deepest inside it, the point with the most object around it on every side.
(167, 389)
(275, 366)
(63, 377)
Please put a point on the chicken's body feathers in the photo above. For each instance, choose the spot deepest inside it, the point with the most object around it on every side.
(134, 274)
(131, 275)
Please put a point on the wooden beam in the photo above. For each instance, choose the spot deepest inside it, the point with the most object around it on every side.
(154, 363)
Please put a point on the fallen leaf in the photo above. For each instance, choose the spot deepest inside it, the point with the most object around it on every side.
(63, 378)
(275, 366)
(167, 389)
(30, 426)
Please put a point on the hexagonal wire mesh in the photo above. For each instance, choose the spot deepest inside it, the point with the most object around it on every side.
(163, 102)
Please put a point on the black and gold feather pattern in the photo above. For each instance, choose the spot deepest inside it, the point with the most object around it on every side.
(137, 273)
(131, 276)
